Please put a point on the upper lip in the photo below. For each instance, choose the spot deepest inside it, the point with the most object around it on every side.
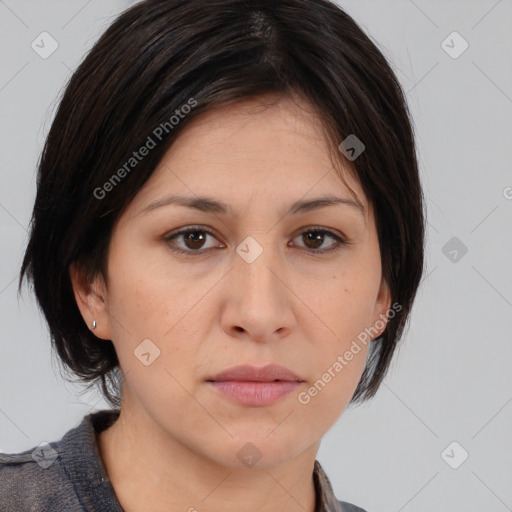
(249, 373)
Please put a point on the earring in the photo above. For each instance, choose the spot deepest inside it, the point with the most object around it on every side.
(94, 324)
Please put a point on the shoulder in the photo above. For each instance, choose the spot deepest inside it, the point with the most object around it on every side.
(348, 507)
(63, 476)
(34, 480)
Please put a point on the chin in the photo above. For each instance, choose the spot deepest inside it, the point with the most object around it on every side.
(258, 450)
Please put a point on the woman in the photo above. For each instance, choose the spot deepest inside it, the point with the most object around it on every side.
(228, 237)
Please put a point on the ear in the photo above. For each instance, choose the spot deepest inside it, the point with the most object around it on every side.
(382, 306)
(91, 299)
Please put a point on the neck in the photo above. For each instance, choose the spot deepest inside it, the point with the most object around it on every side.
(149, 469)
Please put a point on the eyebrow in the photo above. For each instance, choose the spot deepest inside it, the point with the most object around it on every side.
(209, 205)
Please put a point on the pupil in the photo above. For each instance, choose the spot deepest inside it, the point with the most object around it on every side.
(315, 237)
(195, 239)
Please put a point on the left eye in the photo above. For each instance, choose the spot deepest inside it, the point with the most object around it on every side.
(317, 236)
(194, 239)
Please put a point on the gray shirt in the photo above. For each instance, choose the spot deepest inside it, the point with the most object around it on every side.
(69, 476)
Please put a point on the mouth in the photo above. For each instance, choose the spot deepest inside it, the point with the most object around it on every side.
(255, 387)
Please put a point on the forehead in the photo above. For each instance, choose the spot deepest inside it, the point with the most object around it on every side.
(257, 128)
(265, 147)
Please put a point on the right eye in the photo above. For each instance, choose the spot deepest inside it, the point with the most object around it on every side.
(194, 236)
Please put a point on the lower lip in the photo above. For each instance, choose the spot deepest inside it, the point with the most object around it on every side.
(255, 393)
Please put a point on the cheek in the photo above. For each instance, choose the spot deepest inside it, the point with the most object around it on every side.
(149, 301)
(326, 397)
(140, 290)
(340, 308)
(338, 369)
(335, 320)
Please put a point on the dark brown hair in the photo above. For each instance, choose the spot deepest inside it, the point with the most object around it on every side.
(155, 58)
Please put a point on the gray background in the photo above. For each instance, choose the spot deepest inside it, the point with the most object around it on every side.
(452, 379)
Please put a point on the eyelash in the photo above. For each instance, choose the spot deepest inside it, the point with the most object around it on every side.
(340, 241)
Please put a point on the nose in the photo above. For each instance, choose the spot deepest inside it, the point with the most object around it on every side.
(259, 298)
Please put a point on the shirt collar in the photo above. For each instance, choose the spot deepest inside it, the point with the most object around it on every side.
(326, 500)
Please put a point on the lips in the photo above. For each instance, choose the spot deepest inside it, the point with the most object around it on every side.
(247, 373)
(255, 387)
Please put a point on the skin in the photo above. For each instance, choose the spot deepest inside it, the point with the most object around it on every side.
(176, 442)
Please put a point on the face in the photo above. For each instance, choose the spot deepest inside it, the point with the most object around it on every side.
(254, 284)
